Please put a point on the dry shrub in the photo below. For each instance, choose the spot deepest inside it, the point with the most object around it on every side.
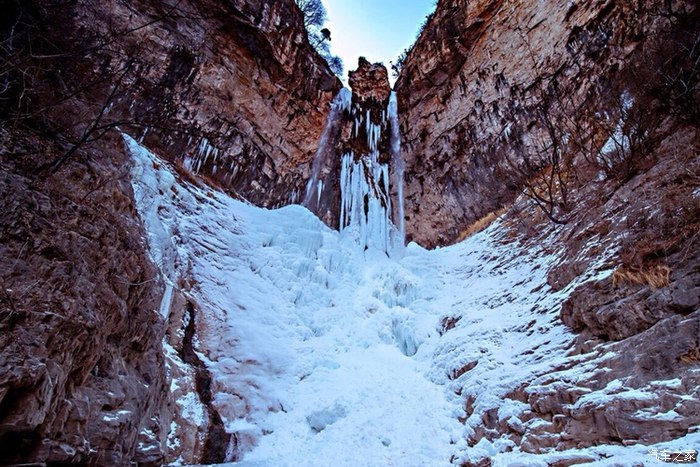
(524, 221)
(480, 224)
(691, 357)
(183, 174)
(656, 276)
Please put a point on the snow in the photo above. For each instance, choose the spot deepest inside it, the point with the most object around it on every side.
(324, 352)
(192, 408)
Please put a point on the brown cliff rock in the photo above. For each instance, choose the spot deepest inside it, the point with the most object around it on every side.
(370, 82)
(485, 85)
(231, 90)
(474, 88)
(82, 368)
(82, 365)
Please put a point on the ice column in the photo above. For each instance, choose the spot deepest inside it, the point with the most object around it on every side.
(365, 204)
(341, 103)
(398, 163)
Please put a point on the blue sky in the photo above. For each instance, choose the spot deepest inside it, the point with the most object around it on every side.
(376, 29)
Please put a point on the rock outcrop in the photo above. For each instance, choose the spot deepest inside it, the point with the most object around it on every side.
(370, 82)
(365, 141)
(231, 91)
(82, 364)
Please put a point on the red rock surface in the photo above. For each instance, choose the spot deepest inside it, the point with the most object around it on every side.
(236, 77)
(80, 345)
(370, 81)
(82, 368)
(471, 94)
(473, 84)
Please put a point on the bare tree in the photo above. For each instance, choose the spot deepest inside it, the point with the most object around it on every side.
(611, 132)
(314, 13)
(336, 65)
(539, 155)
(315, 17)
(397, 66)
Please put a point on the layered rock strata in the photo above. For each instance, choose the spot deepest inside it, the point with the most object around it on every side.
(484, 81)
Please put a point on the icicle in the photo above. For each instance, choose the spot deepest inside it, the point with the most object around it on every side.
(143, 135)
(340, 103)
(398, 163)
(345, 102)
(368, 122)
(365, 204)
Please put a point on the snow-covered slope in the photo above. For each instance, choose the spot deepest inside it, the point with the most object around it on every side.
(323, 354)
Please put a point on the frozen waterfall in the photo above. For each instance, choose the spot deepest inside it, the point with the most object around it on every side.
(397, 161)
(365, 201)
(371, 144)
(341, 103)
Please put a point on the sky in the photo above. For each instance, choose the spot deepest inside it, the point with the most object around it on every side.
(378, 30)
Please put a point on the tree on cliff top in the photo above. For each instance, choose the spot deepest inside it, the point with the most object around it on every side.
(315, 17)
(314, 13)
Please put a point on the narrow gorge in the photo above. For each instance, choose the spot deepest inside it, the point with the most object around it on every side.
(213, 251)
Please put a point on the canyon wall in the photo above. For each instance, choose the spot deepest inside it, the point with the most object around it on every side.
(577, 124)
(231, 90)
(485, 79)
(576, 107)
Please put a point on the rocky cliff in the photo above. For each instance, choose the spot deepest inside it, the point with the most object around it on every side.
(577, 123)
(231, 91)
(480, 89)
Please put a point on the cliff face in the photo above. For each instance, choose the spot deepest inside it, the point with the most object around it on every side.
(82, 362)
(231, 90)
(485, 80)
(577, 124)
